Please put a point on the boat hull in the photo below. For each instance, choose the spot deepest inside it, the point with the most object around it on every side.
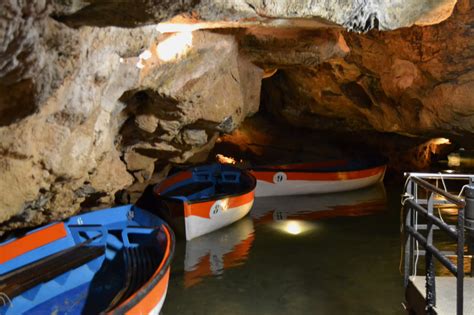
(284, 182)
(203, 218)
(203, 199)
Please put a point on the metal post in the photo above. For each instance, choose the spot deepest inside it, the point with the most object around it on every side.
(409, 239)
(429, 263)
(460, 265)
(469, 221)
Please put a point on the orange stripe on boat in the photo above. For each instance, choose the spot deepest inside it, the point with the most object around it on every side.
(151, 300)
(199, 209)
(241, 200)
(167, 183)
(32, 241)
(203, 209)
(146, 305)
(315, 176)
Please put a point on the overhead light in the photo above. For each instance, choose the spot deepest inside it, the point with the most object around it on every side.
(174, 46)
(439, 141)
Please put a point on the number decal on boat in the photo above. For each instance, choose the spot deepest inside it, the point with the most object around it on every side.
(279, 177)
(218, 207)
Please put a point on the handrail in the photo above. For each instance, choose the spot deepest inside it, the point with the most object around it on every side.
(412, 206)
(441, 257)
(438, 175)
(454, 199)
(443, 226)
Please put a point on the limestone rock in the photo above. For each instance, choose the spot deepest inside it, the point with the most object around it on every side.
(97, 97)
(416, 81)
(183, 102)
(359, 15)
(88, 109)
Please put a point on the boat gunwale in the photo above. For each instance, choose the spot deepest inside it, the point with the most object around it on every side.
(143, 291)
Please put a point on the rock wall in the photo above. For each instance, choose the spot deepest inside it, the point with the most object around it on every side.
(359, 15)
(93, 99)
(414, 81)
(86, 112)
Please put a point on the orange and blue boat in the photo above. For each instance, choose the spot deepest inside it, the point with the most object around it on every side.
(113, 261)
(318, 177)
(202, 199)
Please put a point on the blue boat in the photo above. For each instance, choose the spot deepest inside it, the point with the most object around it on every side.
(114, 261)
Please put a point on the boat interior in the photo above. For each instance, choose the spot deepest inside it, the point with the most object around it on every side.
(209, 182)
(89, 266)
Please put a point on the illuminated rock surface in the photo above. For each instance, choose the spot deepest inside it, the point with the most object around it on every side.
(88, 109)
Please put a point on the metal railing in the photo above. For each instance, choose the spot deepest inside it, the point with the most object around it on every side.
(415, 206)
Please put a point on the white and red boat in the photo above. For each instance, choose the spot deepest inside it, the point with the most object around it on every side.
(207, 197)
(319, 177)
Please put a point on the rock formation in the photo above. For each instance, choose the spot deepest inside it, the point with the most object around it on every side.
(415, 81)
(93, 98)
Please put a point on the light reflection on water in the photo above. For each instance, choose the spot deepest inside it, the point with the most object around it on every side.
(320, 254)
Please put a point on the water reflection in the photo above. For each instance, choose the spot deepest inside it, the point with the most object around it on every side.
(212, 253)
(314, 207)
(284, 259)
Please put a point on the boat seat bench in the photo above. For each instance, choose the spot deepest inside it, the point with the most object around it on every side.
(189, 189)
(24, 278)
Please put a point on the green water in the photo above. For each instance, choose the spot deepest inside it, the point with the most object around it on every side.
(296, 261)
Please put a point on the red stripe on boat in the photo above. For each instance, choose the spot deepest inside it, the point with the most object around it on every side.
(153, 297)
(203, 209)
(315, 176)
(308, 166)
(32, 241)
(167, 183)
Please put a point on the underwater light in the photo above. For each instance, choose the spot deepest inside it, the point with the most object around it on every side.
(293, 227)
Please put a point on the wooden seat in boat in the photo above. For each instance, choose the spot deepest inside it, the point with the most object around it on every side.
(189, 189)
